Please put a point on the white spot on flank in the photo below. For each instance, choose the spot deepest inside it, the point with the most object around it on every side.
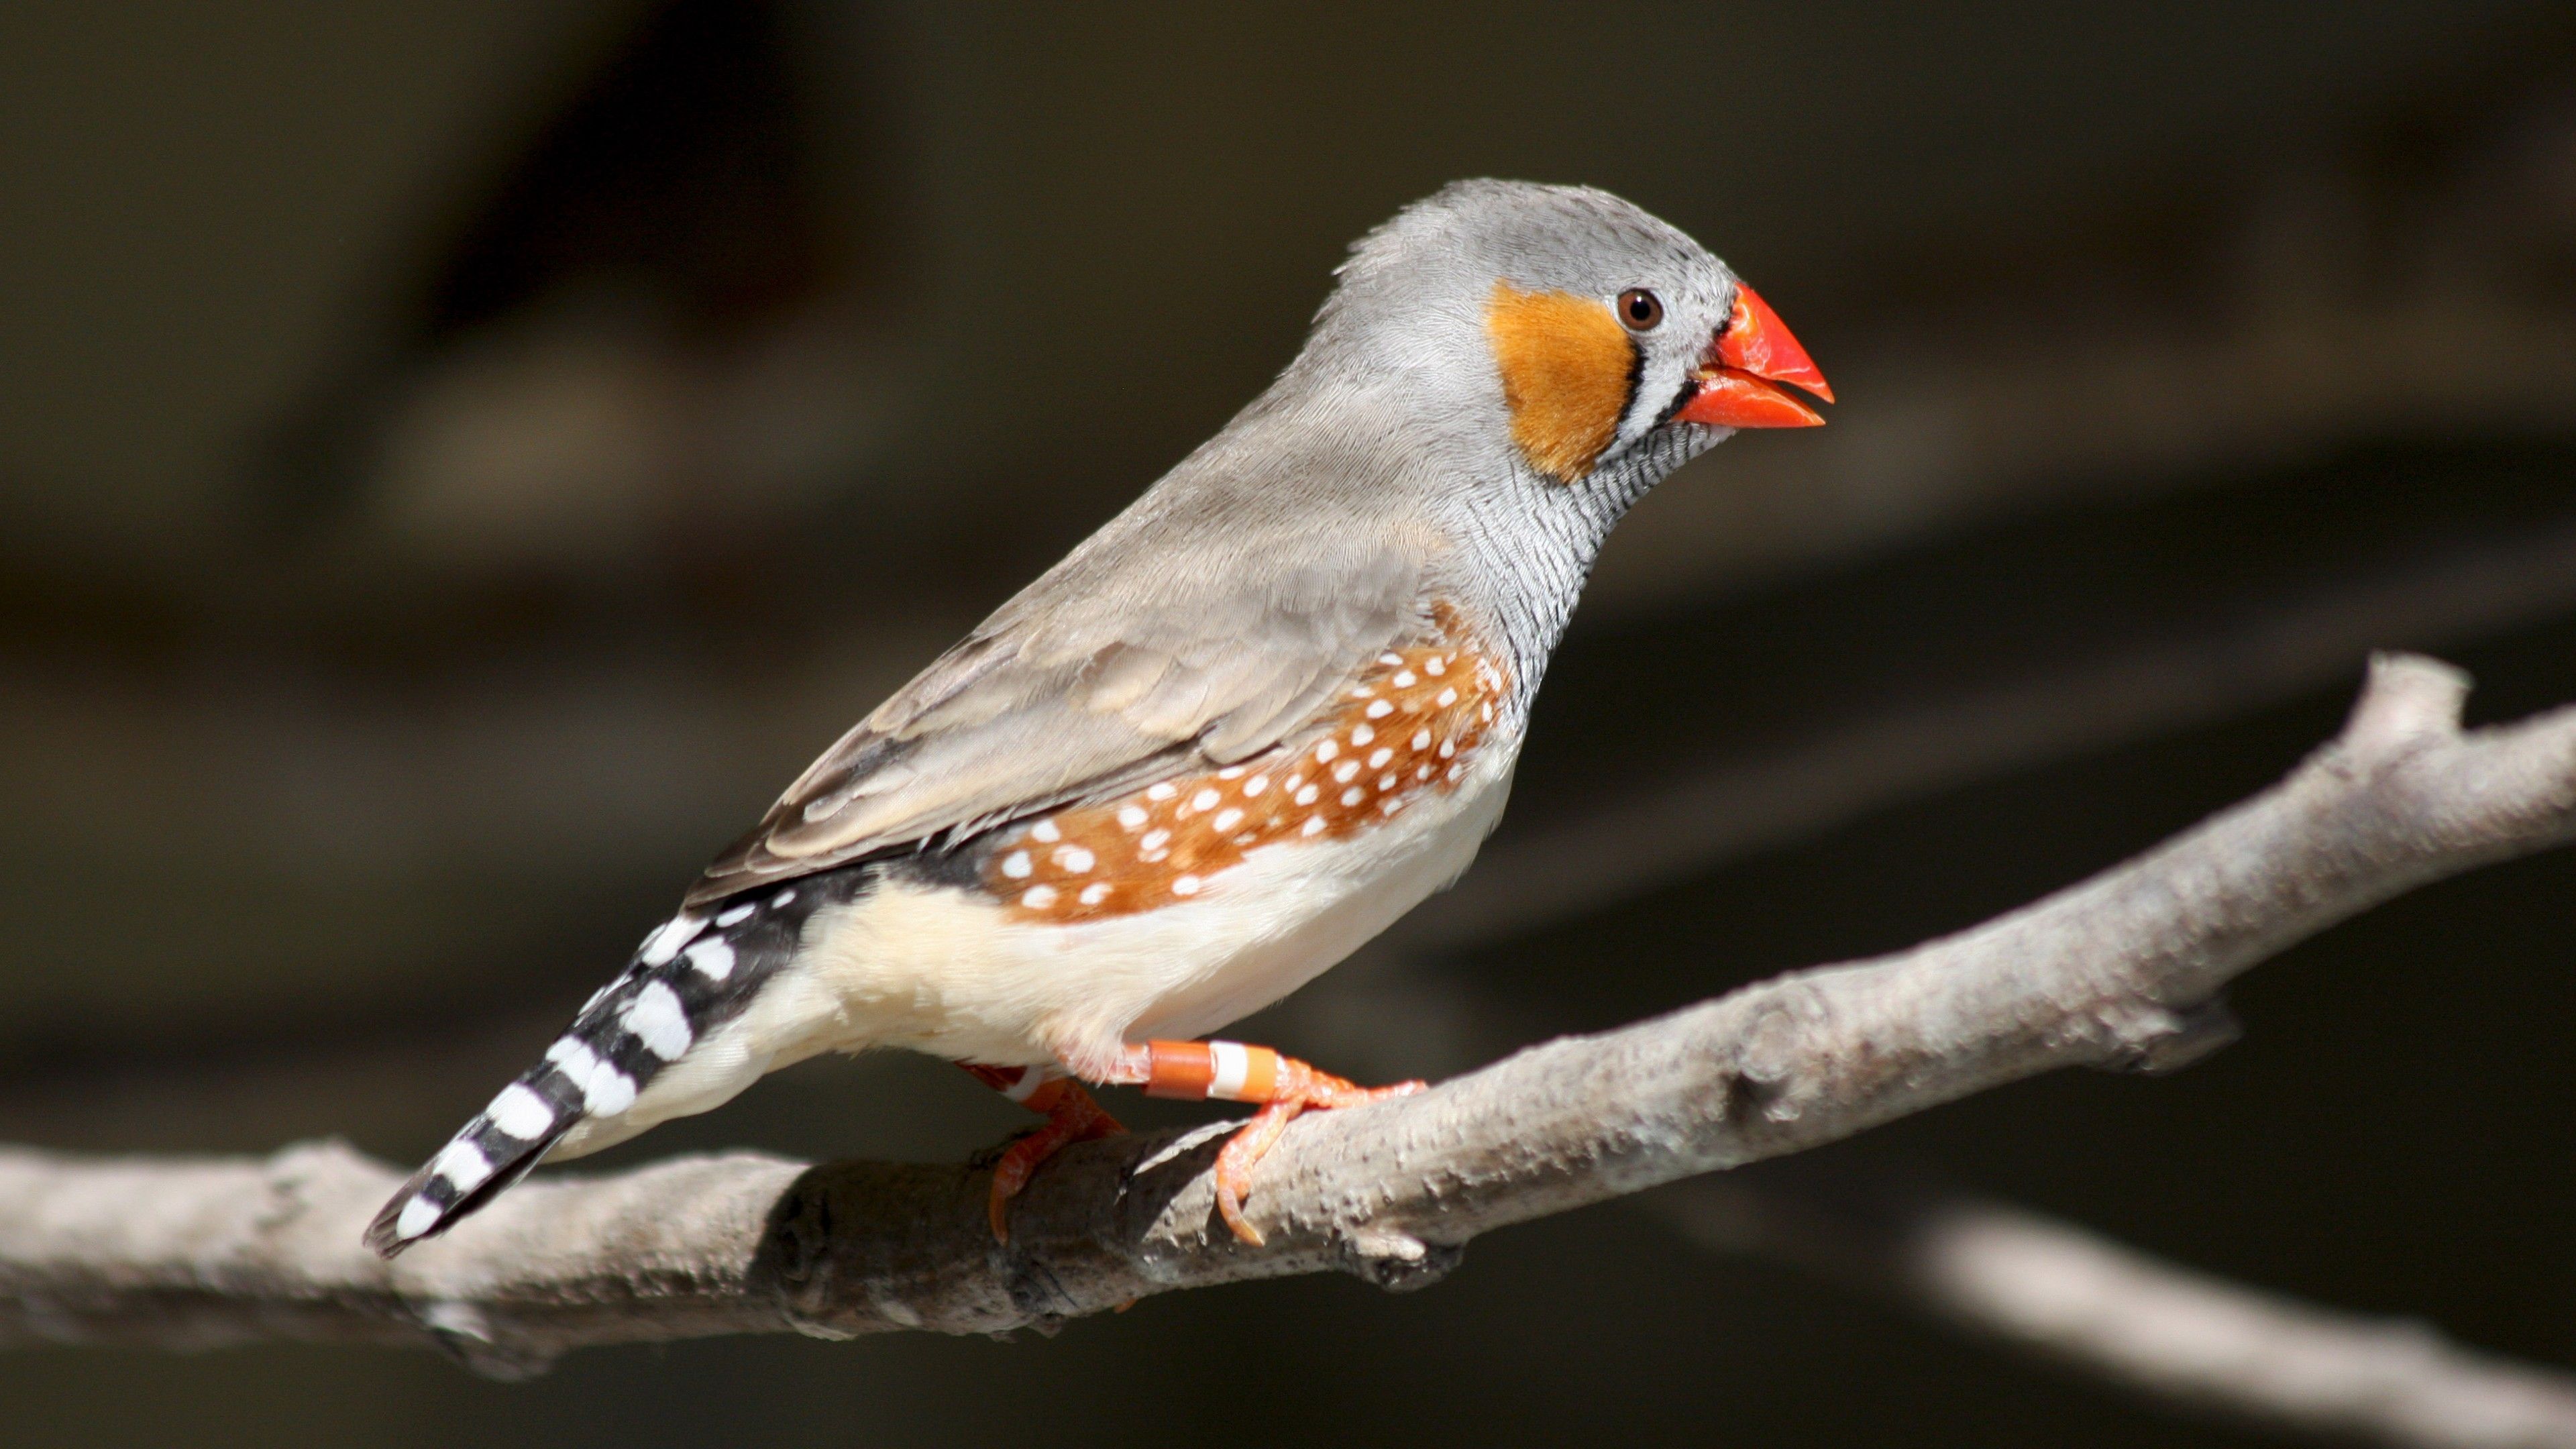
(1437, 664)
(1314, 826)
(1404, 679)
(779, 901)
(737, 915)
(1132, 816)
(1378, 760)
(1226, 820)
(1203, 800)
(1385, 782)
(1094, 893)
(1038, 898)
(1456, 770)
(1073, 858)
(1345, 770)
(1016, 865)
(1294, 781)
(1230, 772)
(1045, 831)
(1422, 739)
(1422, 773)
(712, 958)
(1487, 710)
(1352, 795)
(665, 943)
(658, 1021)
(1390, 806)
(1185, 885)
(463, 1165)
(1390, 659)
(1448, 748)
(1156, 839)
(1307, 795)
(418, 1216)
(1379, 709)
(1163, 791)
(1362, 734)
(520, 1113)
(1447, 698)
(1256, 785)
(1325, 750)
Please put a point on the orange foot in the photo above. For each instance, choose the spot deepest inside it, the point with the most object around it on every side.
(1230, 1071)
(1071, 1116)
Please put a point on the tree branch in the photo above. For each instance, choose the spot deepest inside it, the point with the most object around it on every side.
(2121, 970)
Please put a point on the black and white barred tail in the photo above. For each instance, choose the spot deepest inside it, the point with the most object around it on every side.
(691, 976)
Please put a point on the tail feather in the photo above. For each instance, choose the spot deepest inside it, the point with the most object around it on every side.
(693, 974)
(481, 1161)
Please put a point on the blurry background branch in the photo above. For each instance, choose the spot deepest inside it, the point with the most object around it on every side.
(2121, 971)
(2106, 1310)
(1625, 846)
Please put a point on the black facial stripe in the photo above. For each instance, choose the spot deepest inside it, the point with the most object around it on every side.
(1636, 380)
(1681, 400)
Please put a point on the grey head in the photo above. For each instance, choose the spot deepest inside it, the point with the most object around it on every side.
(1500, 372)
(1438, 310)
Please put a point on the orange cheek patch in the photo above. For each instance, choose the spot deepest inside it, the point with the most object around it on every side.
(1566, 365)
(1406, 729)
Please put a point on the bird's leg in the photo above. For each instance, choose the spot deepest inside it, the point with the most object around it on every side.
(1071, 1116)
(1233, 1072)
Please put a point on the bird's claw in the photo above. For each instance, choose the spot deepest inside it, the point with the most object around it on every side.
(1302, 1087)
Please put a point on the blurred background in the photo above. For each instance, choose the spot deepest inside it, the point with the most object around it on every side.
(459, 460)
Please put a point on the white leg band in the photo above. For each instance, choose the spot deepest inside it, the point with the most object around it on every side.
(1233, 1067)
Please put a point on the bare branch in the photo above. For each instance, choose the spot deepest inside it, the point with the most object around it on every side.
(2156, 1327)
(2120, 970)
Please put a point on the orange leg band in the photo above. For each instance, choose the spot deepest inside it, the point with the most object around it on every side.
(1233, 1072)
(1222, 1071)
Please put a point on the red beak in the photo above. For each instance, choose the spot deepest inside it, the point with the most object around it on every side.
(1751, 352)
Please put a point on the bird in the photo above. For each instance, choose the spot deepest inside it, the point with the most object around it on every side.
(1259, 715)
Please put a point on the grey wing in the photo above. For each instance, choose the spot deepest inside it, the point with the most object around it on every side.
(1068, 693)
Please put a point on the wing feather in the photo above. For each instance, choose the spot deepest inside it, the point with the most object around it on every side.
(1072, 692)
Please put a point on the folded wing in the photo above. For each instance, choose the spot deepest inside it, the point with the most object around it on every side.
(1075, 690)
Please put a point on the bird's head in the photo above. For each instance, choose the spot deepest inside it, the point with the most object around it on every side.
(1562, 325)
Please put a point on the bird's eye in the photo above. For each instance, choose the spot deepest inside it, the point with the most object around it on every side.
(1640, 309)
